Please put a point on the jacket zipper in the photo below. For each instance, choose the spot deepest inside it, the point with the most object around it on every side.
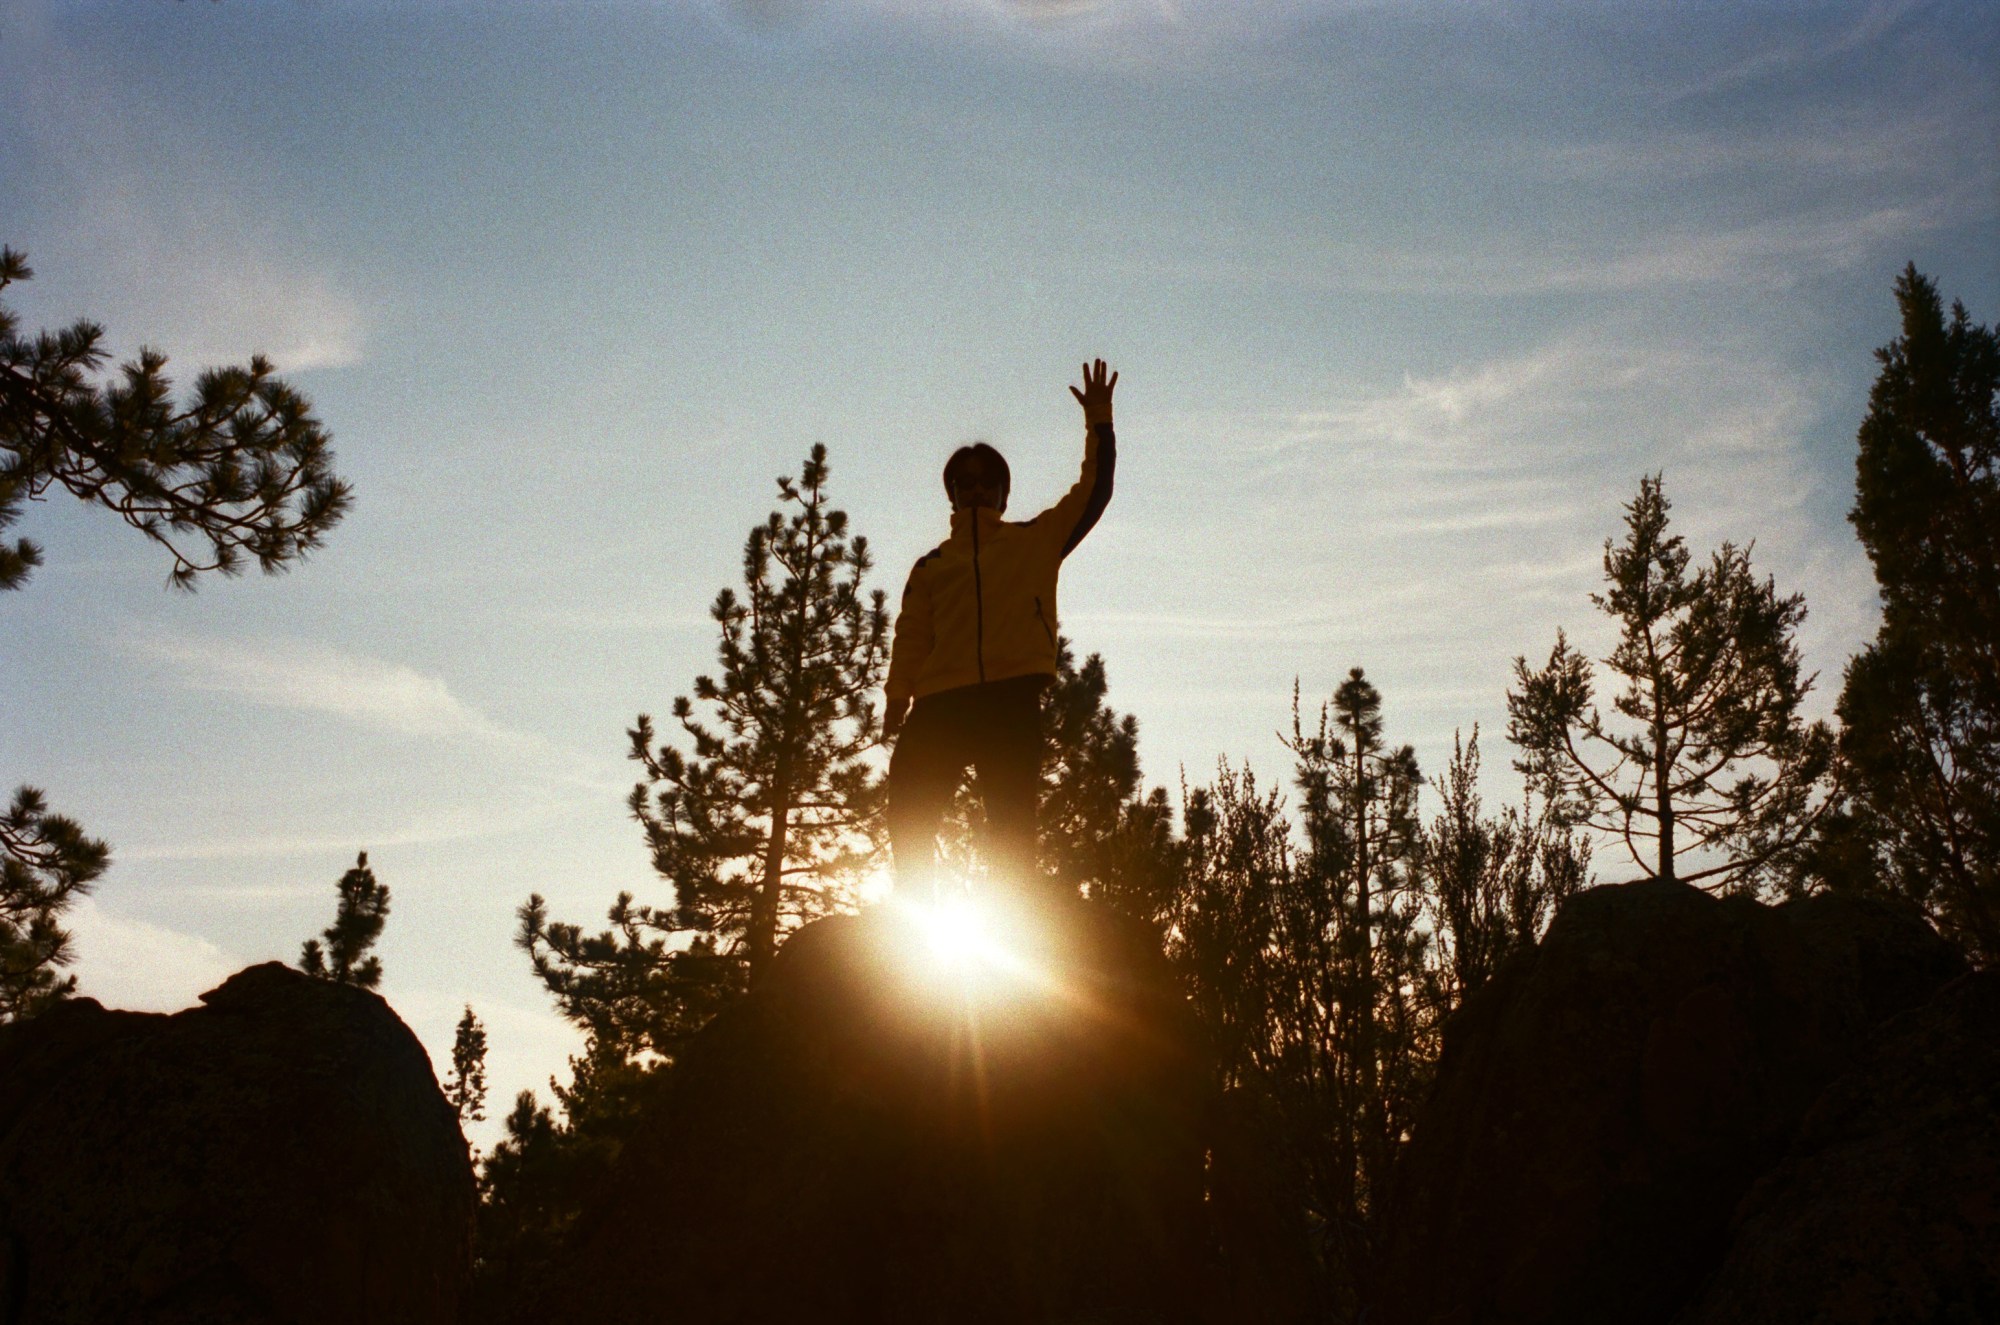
(978, 602)
(1045, 621)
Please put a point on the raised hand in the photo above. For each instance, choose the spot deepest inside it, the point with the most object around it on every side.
(1095, 397)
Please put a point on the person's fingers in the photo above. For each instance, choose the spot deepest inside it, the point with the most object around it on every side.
(1078, 394)
(1112, 383)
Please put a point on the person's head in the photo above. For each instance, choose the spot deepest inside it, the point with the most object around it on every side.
(977, 475)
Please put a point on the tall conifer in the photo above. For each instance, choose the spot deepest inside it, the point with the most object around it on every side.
(1355, 898)
(1920, 705)
(1706, 773)
(762, 822)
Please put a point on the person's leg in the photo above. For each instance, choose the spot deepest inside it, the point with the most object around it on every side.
(924, 773)
(1007, 751)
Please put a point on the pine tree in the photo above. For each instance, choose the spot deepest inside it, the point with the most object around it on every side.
(768, 819)
(530, 1189)
(1235, 862)
(357, 924)
(244, 469)
(1713, 761)
(1353, 908)
(1491, 885)
(1920, 707)
(46, 863)
(466, 1089)
(765, 823)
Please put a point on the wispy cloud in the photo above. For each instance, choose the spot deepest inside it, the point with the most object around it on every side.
(1084, 33)
(161, 235)
(1457, 518)
(431, 828)
(124, 962)
(290, 674)
(1854, 143)
(1794, 53)
(1776, 253)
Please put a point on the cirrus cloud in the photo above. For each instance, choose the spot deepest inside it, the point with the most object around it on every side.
(291, 674)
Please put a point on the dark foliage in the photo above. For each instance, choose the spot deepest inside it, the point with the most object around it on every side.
(1353, 1014)
(344, 958)
(465, 1089)
(46, 863)
(1492, 885)
(766, 821)
(244, 470)
(1712, 761)
(1920, 707)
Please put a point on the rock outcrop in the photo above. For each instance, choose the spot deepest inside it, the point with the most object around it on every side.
(1604, 1104)
(281, 1153)
(1887, 1209)
(859, 1139)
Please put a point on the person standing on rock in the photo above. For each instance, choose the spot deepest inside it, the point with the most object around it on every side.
(975, 646)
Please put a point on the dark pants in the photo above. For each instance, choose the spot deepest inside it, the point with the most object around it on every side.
(995, 728)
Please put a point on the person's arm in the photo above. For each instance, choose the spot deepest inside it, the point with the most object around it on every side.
(1077, 512)
(912, 646)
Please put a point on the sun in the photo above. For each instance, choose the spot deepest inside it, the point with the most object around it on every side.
(956, 932)
(963, 943)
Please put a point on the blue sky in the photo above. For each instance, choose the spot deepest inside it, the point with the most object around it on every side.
(1406, 297)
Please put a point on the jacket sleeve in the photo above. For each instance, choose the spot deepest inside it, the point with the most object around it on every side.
(1076, 513)
(913, 641)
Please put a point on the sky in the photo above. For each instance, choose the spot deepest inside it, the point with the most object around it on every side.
(1405, 297)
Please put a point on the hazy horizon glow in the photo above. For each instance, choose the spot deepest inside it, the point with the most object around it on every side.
(1405, 298)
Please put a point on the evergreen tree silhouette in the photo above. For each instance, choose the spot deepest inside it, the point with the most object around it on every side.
(242, 470)
(1354, 907)
(1101, 832)
(530, 1188)
(344, 959)
(1310, 963)
(46, 863)
(1491, 885)
(465, 1090)
(1920, 705)
(1712, 760)
(765, 820)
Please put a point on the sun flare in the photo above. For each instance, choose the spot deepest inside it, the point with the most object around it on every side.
(956, 931)
(968, 944)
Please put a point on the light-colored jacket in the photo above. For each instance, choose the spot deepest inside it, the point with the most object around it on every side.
(981, 606)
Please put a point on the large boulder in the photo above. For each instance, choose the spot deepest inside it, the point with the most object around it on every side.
(1887, 1209)
(281, 1153)
(1602, 1106)
(870, 1136)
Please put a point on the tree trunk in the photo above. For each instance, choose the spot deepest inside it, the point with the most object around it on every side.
(1663, 798)
(764, 906)
(1366, 1039)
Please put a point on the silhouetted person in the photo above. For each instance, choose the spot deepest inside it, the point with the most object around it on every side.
(975, 645)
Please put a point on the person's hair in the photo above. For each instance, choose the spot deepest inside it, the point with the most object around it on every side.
(980, 456)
